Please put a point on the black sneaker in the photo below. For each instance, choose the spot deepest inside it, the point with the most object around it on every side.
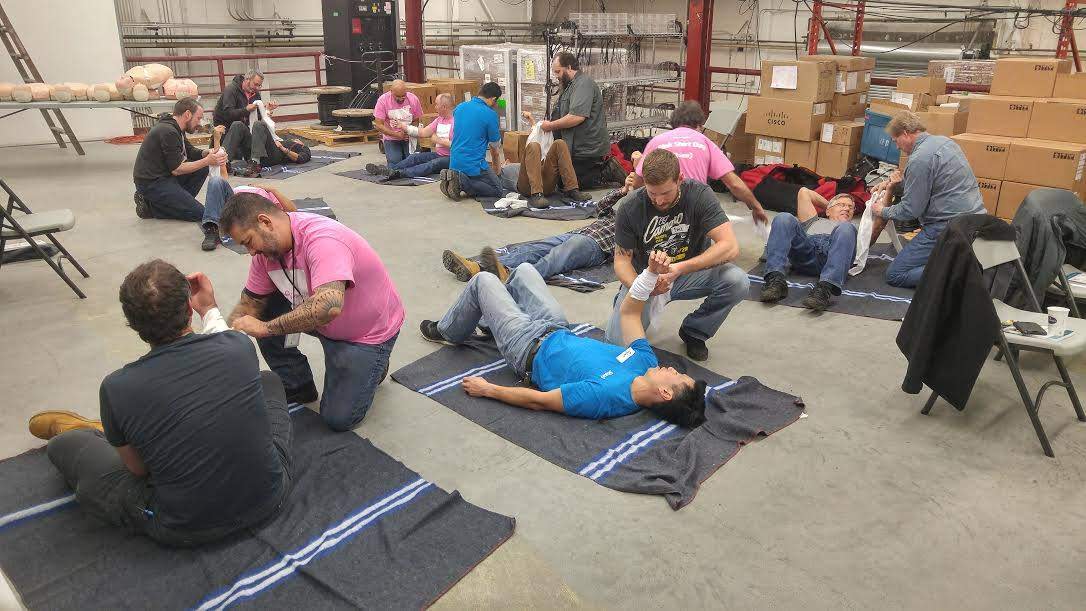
(143, 209)
(775, 289)
(695, 348)
(612, 172)
(394, 174)
(429, 331)
(211, 237)
(377, 170)
(488, 261)
(820, 297)
(576, 195)
(538, 200)
(305, 394)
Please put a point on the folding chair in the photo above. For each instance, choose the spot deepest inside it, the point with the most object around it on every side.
(1063, 287)
(27, 226)
(991, 253)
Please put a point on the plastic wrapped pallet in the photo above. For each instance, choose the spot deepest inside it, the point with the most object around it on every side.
(496, 63)
(970, 71)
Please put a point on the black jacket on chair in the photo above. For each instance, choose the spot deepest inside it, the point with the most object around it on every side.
(951, 325)
(1051, 225)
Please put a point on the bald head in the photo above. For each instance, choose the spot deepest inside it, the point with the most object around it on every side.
(398, 89)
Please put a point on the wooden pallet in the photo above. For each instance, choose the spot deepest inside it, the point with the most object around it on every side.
(334, 138)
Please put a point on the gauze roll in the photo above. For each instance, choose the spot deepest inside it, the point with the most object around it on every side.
(643, 285)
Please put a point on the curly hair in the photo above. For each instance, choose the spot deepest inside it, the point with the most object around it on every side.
(155, 301)
(686, 407)
(687, 114)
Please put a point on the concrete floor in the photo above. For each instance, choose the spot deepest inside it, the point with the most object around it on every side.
(865, 504)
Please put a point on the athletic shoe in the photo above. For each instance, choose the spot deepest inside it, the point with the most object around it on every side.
(695, 348)
(576, 195)
(143, 209)
(394, 174)
(377, 170)
(429, 331)
(820, 297)
(538, 200)
(612, 172)
(775, 289)
(47, 425)
(211, 237)
(488, 261)
(462, 267)
(443, 183)
(305, 394)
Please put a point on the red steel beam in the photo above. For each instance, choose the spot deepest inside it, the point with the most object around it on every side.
(813, 28)
(413, 65)
(699, 44)
(858, 28)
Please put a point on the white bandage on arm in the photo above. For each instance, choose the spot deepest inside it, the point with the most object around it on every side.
(214, 322)
(411, 130)
(643, 285)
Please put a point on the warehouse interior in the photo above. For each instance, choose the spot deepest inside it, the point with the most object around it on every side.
(840, 493)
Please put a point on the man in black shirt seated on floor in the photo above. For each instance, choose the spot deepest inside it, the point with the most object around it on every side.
(201, 438)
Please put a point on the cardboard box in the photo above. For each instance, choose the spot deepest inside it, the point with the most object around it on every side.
(1063, 120)
(1028, 76)
(921, 84)
(835, 160)
(768, 150)
(1000, 116)
(715, 137)
(916, 102)
(739, 145)
(424, 91)
(853, 72)
(1047, 163)
(842, 132)
(964, 101)
(1070, 86)
(1011, 195)
(848, 106)
(942, 123)
(987, 155)
(989, 192)
(423, 121)
(795, 80)
(791, 119)
(513, 144)
(462, 90)
(798, 152)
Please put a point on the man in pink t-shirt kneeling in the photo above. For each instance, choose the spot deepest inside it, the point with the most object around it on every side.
(423, 163)
(311, 274)
(699, 157)
(397, 105)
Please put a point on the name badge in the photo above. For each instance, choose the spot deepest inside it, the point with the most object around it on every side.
(625, 356)
(291, 340)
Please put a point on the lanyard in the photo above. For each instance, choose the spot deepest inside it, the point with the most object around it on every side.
(291, 278)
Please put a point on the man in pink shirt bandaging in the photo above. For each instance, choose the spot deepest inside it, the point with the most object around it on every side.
(397, 105)
(423, 163)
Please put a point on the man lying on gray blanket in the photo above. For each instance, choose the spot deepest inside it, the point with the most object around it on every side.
(195, 441)
(571, 375)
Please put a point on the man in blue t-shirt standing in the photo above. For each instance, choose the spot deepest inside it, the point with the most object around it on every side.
(476, 131)
(576, 376)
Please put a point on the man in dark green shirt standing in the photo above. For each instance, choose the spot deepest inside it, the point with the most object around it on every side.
(579, 120)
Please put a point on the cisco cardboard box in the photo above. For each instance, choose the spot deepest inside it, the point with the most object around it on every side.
(795, 80)
(789, 119)
(944, 121)
(915, 102)
(1063, 120)
(798, 152)
(921, 84)
(1011, 195)
(842, 132)
(1000, 116)
(853, 72)
(987, 155)
(1028, 76)
(989, 192)
(848, 105)
(768, 150)
(1047, 163)
(834, 160)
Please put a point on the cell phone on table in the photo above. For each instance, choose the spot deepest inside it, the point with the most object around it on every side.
(1029, 328)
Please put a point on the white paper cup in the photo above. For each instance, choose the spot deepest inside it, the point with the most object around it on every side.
(1060, 314)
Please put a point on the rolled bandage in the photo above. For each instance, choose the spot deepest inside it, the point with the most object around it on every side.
(411, 130)
(642, 286)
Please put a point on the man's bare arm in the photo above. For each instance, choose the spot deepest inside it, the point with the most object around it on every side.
(725, 248)
(321, 308)
(624, 268)
(286, 202)
(248, 305)
(132, 460)
(877, 225)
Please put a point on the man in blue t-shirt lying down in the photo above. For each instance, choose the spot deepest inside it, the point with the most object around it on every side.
(573, 375)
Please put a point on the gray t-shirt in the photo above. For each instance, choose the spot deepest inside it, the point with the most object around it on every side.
(682, 232)
(582, 97)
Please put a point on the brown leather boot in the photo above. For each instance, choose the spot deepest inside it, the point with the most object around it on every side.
(47, 425)
(490, 263)
(462, 267)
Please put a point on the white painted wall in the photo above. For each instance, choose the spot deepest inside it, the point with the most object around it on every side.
(68, 41)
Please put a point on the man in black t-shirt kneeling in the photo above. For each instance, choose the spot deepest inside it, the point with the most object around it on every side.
(201, 438)
(684, 219)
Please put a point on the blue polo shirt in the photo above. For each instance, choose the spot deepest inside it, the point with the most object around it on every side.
(595, 377)
(476, 128)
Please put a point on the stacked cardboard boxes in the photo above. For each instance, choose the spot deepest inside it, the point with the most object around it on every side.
(838, 147)
(462, 90)
(426, 93)
(789, 113)
(851, 84)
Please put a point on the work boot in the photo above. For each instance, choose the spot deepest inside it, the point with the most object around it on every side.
(211, 237)
(820, 297)
(429, 331)
(462, 267)
(576, 195)
(143, 209)
(612, 172)
(450, 184)
(695, 348)
(775, 289)
(538, 200)
(302, 394)
(490, 263)
(395, 174)
(377, 170)
(47, 425)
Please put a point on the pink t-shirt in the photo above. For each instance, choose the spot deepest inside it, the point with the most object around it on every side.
(260, 192)
(387, 108)
(699, 158)
(443, 127)
(327, 251)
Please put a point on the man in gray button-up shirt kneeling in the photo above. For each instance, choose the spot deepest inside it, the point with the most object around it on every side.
(939, 185)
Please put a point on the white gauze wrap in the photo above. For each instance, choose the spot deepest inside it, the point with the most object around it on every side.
(642, 286)
(412, 130)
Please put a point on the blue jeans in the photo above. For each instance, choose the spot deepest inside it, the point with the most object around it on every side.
(908, 265)
(487, 184)
(723, 286)
(174, 197)
(396, 151)
(556, 254)
(218, 191)
(352, 371)
(517, 313)
(825, 256)
(421, 164)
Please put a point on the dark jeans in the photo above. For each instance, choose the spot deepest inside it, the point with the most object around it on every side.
(352, 371)
(107, 490)
(908, 265)
(589, 171)
(174, 197)
(238, 141)
(421, 164)
(396, 151)
(487, 184)
(263, 146)
(827, 256)
(556, 254)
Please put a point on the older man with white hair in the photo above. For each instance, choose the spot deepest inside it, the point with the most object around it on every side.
(393, 109)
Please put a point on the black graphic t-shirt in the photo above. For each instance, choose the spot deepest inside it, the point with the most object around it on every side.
(682, 232)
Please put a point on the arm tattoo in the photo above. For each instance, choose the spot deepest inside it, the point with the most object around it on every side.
(248, 305)
(316, 311)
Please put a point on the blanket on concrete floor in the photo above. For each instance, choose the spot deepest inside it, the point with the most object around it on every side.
(584, 280)
(381, 180)
(360, 530)
(314, 205)
(319, 160)
(866, 294)
(560, 209)
(636, 453)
